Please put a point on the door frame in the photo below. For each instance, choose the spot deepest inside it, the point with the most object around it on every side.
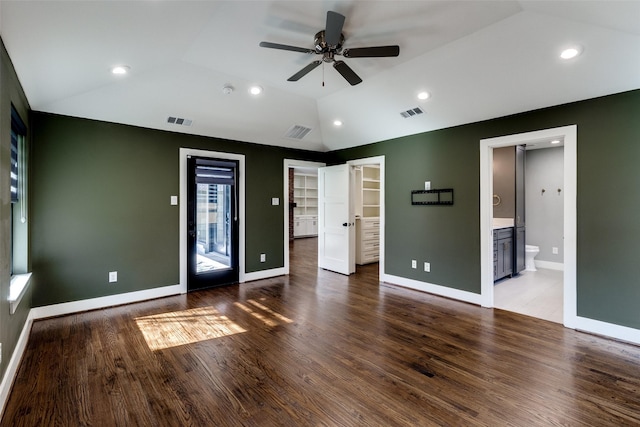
(184, 153)
(570, 136)
(288, 164)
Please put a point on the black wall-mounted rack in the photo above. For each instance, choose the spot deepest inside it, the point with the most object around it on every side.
(442, 196)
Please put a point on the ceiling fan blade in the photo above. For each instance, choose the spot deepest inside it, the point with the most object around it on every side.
(286, 47)
(333, 31)
(347, 73)
(372, 52)
(297, 76)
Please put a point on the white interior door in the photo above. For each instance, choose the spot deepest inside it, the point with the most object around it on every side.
(336, 220)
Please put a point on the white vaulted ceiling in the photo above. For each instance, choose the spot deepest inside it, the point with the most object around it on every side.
(477, 59)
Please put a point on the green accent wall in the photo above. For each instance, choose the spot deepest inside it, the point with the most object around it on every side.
(608, 267)
(100, 199)
(11, 325)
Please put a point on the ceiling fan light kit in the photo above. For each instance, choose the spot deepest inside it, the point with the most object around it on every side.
(328, 43)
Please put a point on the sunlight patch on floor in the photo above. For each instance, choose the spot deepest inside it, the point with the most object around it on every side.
(177, 328)
(271, 318)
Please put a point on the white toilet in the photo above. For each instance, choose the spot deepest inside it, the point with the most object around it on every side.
(530, 253)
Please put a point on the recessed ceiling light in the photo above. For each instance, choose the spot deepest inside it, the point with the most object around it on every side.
(424, 95)
(120, 69)
(255, 90)
(337, 122)
(555, 141)
(570, 52)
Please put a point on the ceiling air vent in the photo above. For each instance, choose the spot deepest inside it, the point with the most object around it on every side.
(179, 121)
(411, 112)
(297, 132)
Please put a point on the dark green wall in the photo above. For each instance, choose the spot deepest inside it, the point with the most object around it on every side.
(101, 190)
(100, 198)
(11, 93)
(608, 201)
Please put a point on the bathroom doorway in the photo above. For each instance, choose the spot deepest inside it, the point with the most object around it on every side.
(531, 176)
(568, 135)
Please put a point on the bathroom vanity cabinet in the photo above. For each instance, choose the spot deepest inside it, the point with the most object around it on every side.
(502, 253)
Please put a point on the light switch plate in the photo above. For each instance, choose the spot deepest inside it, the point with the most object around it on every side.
(427, 185)
(113, 276)
(263, 257)
(174, 200)
(275, 201)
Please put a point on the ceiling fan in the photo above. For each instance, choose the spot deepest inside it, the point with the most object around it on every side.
(328, 43)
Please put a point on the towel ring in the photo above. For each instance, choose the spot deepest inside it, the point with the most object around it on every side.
(496, 203)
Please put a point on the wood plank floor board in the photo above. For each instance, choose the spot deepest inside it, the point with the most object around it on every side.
(317, 348)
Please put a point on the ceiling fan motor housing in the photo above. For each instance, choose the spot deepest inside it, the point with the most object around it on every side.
(322, 46)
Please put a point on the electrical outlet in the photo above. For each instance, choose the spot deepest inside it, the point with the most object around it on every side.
(263, 257)
(414, 263)
(427, 267)
(554, 250)
(113, 276)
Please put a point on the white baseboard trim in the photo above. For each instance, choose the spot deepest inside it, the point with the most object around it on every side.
(608, 330)
(102, 302)
(433, 289)
(14, 363)
(264, 274)
(549, 265)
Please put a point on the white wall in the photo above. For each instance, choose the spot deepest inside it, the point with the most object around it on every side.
(544, 211)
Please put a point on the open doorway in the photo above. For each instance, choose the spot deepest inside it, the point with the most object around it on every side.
(568, 135)
(368, 202)
(528, 223)
(298, 202)
(373, 203)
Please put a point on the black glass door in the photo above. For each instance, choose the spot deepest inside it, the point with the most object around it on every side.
(212, 223)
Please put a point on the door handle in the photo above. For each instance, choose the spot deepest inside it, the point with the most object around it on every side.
(345, 224)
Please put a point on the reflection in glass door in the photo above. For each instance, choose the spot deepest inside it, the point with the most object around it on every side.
(212, 223)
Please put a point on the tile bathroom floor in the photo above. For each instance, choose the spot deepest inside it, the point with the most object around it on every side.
(532, 293)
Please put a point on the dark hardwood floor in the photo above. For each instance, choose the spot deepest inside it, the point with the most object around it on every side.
(319, 349)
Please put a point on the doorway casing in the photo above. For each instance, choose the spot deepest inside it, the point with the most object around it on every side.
(569, 134)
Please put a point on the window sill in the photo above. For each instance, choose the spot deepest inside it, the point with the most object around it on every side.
(19, 285)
